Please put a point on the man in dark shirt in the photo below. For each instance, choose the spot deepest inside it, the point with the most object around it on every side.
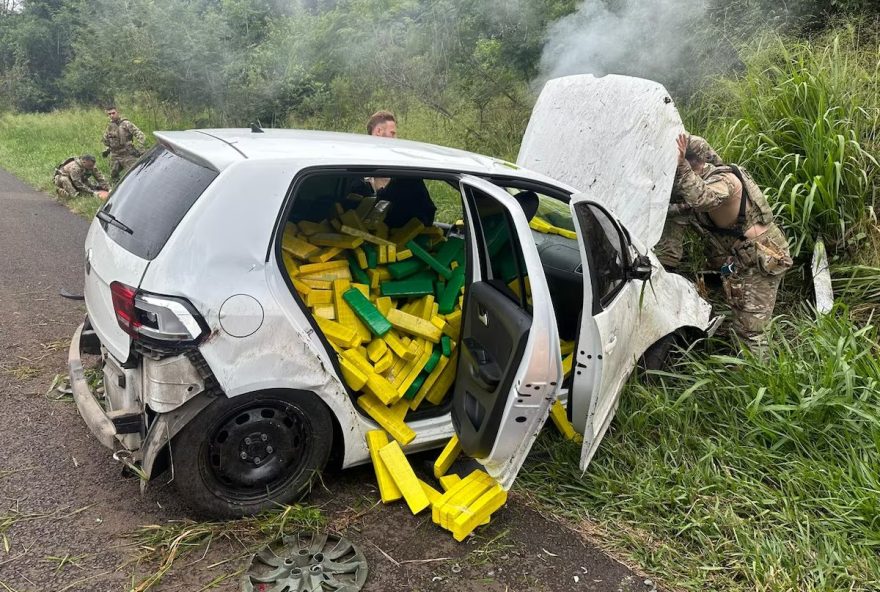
(409, 198)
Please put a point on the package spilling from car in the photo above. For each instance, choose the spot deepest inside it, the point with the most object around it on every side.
(388, 301)
(262, 305)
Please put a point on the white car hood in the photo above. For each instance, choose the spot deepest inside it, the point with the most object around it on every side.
(613, 139)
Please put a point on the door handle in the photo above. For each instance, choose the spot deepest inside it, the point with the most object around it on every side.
(483, 315)
(483, 369)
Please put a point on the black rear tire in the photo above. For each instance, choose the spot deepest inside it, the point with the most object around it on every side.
(250, 453)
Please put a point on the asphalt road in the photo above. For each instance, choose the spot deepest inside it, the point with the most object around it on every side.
(67, 514)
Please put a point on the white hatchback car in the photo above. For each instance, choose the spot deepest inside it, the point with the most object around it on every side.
(213, 366)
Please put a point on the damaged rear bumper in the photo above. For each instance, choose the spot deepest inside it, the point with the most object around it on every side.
(134, 442)
(97, 420)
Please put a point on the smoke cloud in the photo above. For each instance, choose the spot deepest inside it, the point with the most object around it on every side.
(664, 40)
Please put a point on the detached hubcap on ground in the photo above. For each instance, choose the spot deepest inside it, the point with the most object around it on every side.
(314, 562)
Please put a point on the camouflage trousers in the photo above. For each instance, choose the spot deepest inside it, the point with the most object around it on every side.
(751, 290)
(670, 247)
(751, 295)
(119, 165)
(64, 187)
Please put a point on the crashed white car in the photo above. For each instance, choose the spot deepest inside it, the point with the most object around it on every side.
(214, 368)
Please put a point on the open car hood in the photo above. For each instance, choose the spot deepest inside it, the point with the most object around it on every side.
(613, 139)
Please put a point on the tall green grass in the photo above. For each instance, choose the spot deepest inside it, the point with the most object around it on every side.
(804, 117)
(735, 473)
(857, 284)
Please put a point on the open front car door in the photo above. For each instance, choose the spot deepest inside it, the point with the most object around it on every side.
(509, 366)
(613, 331)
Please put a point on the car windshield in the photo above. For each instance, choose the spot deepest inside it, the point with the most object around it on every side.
(152, 200)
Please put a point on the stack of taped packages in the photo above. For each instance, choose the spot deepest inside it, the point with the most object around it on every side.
(389, 302)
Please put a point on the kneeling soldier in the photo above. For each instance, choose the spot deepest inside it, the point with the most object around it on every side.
(76, 175)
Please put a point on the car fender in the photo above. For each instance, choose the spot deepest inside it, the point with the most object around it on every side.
(286, 354)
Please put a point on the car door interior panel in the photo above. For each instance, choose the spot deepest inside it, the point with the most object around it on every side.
(497, 330)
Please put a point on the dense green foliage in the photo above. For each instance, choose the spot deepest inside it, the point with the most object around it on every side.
(735, 473)
(231, 61)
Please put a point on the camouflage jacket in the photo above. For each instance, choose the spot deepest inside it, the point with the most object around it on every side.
(706, 192)
(713, 188)
(121, 138)
(81, 177)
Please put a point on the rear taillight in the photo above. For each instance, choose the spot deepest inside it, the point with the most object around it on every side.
(152, 316)
(123, 305)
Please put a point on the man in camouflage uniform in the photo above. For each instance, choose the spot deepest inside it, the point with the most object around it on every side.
(75, 175)
(120, 138)
(743, 233)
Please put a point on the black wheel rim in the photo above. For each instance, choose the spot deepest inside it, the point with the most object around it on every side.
(257, 451)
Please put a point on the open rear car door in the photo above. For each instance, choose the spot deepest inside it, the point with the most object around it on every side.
(509, 366)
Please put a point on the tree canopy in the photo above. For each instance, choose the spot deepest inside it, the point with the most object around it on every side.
(233, 61)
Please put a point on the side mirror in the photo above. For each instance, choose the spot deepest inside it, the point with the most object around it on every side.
(640, 269)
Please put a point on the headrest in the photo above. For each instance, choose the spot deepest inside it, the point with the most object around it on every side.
(528, 200)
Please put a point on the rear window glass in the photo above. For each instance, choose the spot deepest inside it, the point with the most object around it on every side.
(153, 198)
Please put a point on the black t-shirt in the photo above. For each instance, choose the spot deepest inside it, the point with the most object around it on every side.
(409, 198)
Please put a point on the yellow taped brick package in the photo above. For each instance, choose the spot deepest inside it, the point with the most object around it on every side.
(414, 325)
(447, 481)
(388, 490)
(467, 504)
(433, 495)
(560, 420)
(382, 415)
(397, 353)
(450, 453)
(404, 477)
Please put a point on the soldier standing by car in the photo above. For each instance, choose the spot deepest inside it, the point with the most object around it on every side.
(124, 141)
(731, 208)
(74, 176)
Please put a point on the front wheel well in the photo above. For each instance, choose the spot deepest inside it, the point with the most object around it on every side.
(657, 356)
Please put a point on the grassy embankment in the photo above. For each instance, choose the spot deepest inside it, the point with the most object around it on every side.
(33, 144)
(729, 473)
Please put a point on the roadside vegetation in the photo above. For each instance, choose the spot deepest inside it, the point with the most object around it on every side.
(733, 473)
(804, 117)
(161, 545)
(726, 472)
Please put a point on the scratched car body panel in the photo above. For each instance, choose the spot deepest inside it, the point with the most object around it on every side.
(214, 336)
